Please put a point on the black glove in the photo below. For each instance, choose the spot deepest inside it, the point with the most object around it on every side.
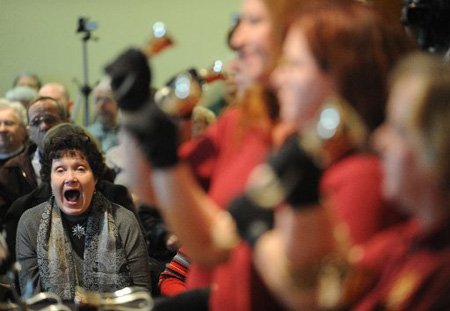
(130, 75)
(156, 132)
(251, 219)
(298, 174)
(290, 175)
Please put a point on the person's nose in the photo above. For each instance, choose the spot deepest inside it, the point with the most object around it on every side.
(44, 126)
(3, 127)
(238, 37)
(71, 176)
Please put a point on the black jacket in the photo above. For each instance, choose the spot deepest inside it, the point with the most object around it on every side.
(17, 178)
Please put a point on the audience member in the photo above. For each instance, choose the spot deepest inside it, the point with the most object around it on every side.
(21, 199)
(20, 178)
(27, 79)
(105, 126)
(20, 174)
(13, 134)
(59, 92)
(13, 142)
(43, 114)
(78, 237)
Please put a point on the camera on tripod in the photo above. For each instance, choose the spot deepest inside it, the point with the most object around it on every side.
(85, 25)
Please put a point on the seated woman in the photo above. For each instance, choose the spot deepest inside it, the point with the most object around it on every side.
(78, 237)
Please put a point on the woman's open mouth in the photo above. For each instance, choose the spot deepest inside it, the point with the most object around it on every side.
(72, 195)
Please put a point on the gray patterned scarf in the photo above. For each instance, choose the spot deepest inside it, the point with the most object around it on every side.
(104, 267)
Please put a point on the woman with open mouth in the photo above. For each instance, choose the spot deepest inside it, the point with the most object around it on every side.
(78, 237)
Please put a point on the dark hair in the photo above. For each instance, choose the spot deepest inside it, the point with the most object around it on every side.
(358, 46)
(69, 139)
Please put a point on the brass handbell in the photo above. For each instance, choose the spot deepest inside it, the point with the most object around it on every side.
(337, 130)
(129, 298)
(159, 40)
(180, 95)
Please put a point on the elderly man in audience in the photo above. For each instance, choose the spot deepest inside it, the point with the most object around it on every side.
(105, 125)
(20, 174)
(13, 120)
(13, 137)
(59, 92)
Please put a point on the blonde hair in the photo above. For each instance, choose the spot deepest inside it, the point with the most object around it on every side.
(430, 117)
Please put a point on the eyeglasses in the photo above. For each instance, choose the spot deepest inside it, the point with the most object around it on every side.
(47, 119)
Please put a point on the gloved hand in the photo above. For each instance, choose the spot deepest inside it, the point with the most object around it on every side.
(290, 176)
(156, 132)
(130, 75)
(297, 173)
(251, 219)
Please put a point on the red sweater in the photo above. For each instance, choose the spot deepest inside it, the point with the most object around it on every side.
(224, 160)
(411, 268)
(352, 186)
(172, 280)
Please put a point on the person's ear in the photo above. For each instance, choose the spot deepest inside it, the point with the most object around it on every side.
(70, 106)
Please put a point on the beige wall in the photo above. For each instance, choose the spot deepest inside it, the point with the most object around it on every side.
(39, 36)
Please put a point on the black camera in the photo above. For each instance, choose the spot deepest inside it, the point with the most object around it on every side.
(85, 25)
(429, 21)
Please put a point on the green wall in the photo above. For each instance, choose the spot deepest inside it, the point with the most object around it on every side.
(40, 36)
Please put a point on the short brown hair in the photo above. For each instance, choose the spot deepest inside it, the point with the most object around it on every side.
(68, 139)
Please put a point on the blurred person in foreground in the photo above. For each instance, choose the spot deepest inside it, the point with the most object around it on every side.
(192, 194)
(408, 266)
(78, 237)
(327, 171)
(404, 267)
